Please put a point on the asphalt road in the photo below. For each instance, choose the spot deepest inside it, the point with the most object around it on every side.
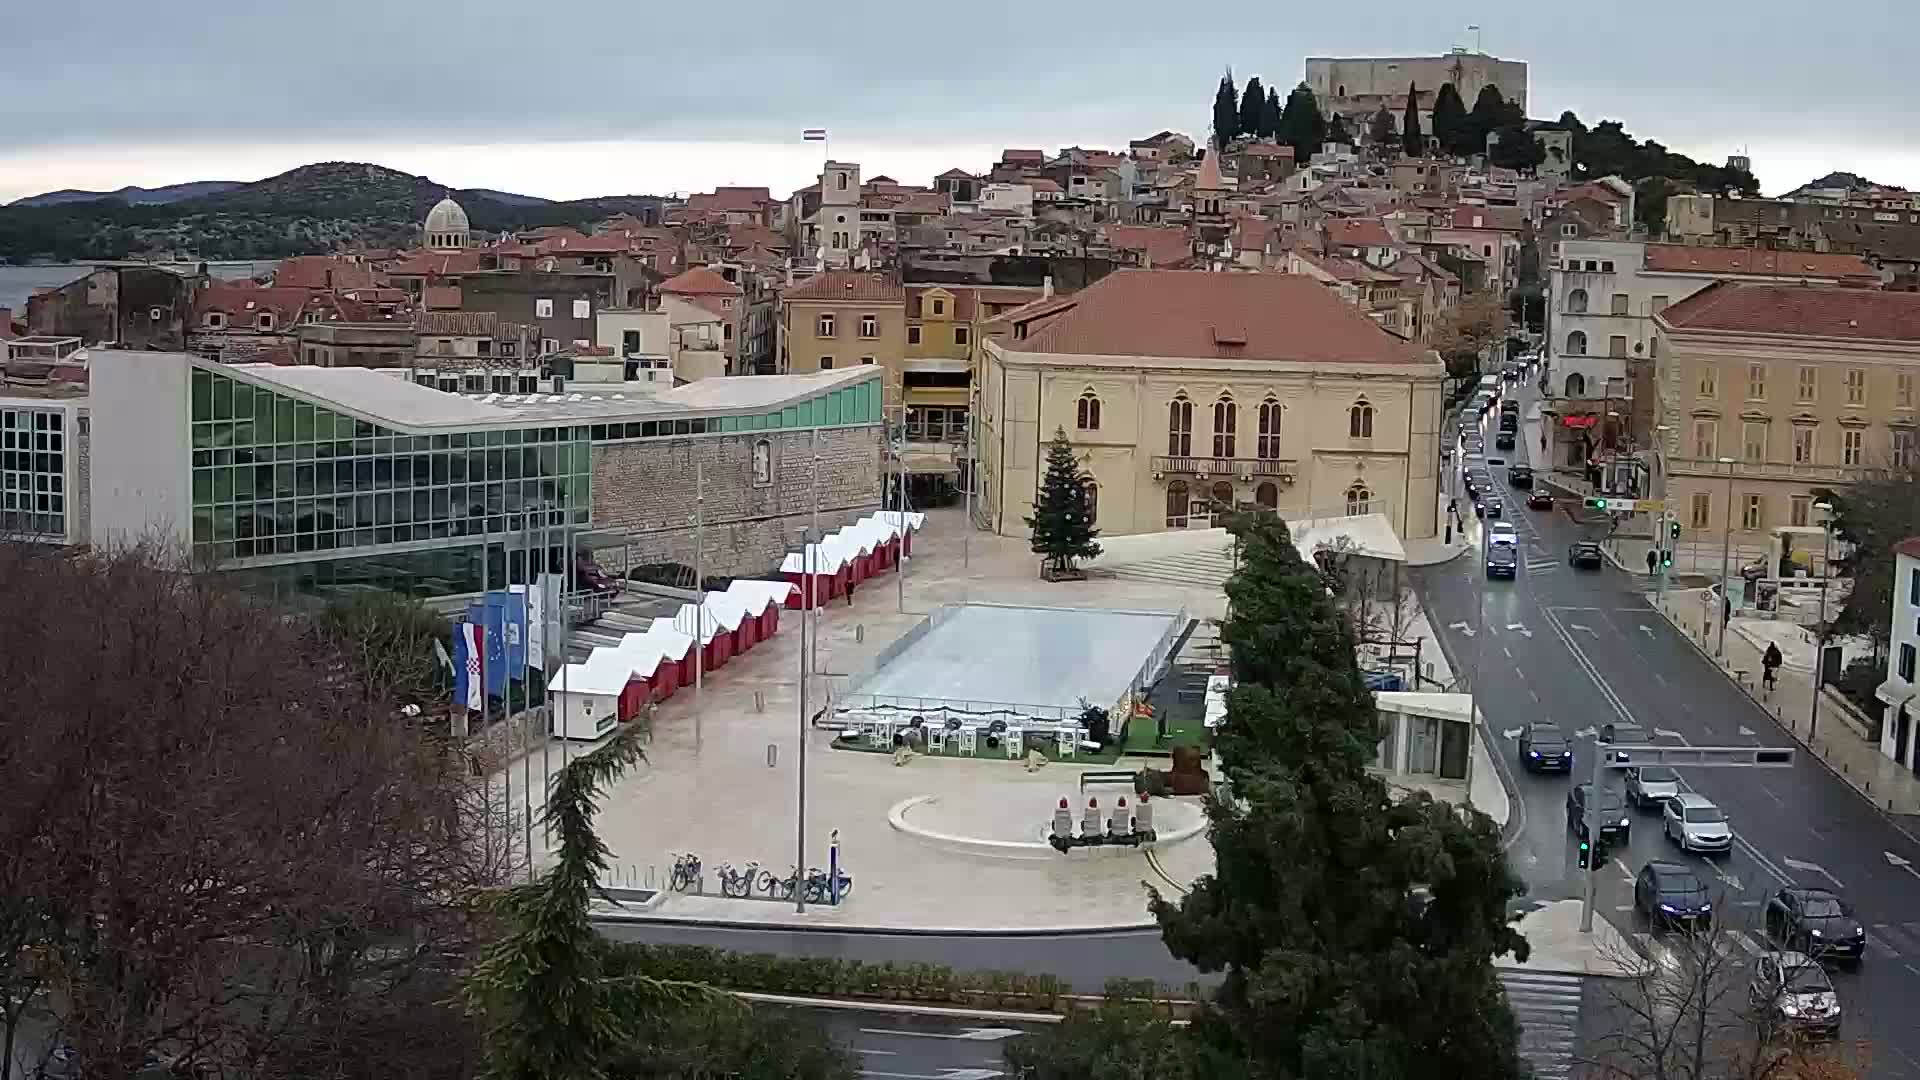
(1584, 648)
(898, 1046)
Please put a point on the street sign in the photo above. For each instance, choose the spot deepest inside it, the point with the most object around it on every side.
(1627, 506)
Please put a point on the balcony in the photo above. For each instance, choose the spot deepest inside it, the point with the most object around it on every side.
(1284, 468)
(1769, 470)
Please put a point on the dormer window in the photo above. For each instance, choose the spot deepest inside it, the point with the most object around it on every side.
(265, 321)
(216, 320)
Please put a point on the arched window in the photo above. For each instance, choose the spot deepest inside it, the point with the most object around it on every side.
(1179, 427)
(1576, 385)
(1267, 447)
(1577, 302)
(1092, 488)
(1577, 343)
(1360, 420)
(1267, 496)
(1086, 412)
(1177, 505)
(1359, 499)
(1226, 423)
(1222, 496)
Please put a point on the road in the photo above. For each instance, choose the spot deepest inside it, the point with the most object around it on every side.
(1584, 648)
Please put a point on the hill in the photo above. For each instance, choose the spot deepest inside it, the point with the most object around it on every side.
(311, 209)
(130, 195)
(1845, 181)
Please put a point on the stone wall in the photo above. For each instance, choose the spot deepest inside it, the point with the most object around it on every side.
(646, 487)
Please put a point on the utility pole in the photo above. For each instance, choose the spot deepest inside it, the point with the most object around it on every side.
(900, 457)
(966, 535)
(1820, 651)
(699, 603)
(1726, 562)
(808, 596)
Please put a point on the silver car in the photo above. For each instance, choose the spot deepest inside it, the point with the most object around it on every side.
(1651, 785)
(1695, 824)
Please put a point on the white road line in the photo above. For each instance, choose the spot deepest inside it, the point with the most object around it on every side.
(1508, 651)
(1536, 697)
(1745, 942)
(1879, 944)
(1625, 874)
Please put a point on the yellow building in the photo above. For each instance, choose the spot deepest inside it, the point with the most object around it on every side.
(946, 325)
(1183, 391)
(842, 319)
(1766, 392)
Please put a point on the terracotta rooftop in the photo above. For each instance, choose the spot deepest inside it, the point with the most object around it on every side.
(1271, 150)
(1194, 314)
(443, 297)
(1684, 258)
(427, 264)
(751, 199)
(1162, 244)
(1910, 547)
(1024, 156)
(1502, 218)
(1358, 232)
(1802, 311)
(699, 281)
(1041, 184)
(323, 272)
(848, 285)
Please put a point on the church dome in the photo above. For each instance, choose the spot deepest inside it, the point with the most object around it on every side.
(447, 216)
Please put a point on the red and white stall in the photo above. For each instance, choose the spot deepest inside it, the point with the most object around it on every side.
(763, 601)
(819, 574)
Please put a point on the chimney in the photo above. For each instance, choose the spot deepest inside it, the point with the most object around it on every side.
(1046, 287)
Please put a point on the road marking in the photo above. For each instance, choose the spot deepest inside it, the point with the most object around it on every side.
(1731, 881)
(1812, 868)
(1900, 863)
(1665, 734)
(1520, 629)
(1461, 626)
(1623, 907)
(1877, 942)
(944, 1074)
(1745, 942)
(1513, 733)
(876, 1053)
(1536, 697)
(1897, 936)
(1587, 732)
(969, 1035)
(1768, 792)
(1625, 874)
(1588, 629)
(1647, 630)
(1746, 732)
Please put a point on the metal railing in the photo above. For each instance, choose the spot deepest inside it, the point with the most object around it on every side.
(1234, 466)
(1767, 470)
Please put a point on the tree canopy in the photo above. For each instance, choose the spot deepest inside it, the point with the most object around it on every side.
(1412, 139)
(1877, 512)
(1226, 111)
(1337, 131)
(1450, 128)
(1253, 107)
(1381, 132)
(1062, 520)
(1270, 115)
(1301, 125)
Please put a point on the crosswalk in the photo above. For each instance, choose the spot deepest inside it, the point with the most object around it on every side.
(1888, 941)
(1669, 952)
(1895, 941)
(1548, 1008)
(1539, 564)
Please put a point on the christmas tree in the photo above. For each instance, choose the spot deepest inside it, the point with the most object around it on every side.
(1062, 520)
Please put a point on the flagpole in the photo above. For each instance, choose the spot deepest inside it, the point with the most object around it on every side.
(526, 687)
(546, 675)
(813, 656)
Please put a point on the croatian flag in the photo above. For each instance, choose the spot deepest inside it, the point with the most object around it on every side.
(814, 135)
(469, 682)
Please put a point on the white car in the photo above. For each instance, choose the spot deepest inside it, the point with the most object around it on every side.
(1695, 824)
(1651, 785)
(1502, 532)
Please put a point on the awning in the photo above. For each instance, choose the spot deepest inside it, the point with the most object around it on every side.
(1894, 693)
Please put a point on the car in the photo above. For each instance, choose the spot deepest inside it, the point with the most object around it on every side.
(1540, 499)
(1502, 561)
(1509, 421)
(1481, 478)
(1651, 785)
(1671, 894)
(1816, 922)
(1493, 507)
(1544, 748)
(1503, 441)
(1695, 824)
(1502, 532)
(1795, 993)
(1615, 825)
(1511, 405)
(1520, 476)
(1585, 555)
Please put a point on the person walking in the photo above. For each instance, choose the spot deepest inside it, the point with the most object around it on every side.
(1770, 663)
(1653, 562)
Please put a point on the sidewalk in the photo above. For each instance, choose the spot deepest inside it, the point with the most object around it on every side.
(1876, 777)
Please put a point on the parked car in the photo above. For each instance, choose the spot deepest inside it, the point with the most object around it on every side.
(1520, 476)
(1651, 785)
(1544, 748)
(1585, 555)
(1615, 825)
(1694, 823)
(1795, 993)
(1817, 923)
(1503, 441)
(1540, 499)
(1503, 561)
(1671, 894)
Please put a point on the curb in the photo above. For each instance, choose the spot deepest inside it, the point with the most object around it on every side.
(1015, 850)
(841, 929)
(897, 1008)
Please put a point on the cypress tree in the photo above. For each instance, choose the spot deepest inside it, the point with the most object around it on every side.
(1301, 125)
(1270, 116)
(1226, 111)
(1253, 106)
(1062, 520)
(1381, 133)
(1450, 120)
(1337, 131)
(1412, 140)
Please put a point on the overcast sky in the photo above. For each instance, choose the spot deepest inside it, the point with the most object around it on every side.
(570, 98)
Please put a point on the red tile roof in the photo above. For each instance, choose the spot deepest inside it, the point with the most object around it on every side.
(1910, 547)
(1042, 184)
(1268, 150)
(699, 281)
(443, 297)
(955, 174)
(1194, 314)
(429, 264)
(324, 272)
(854, 286)
(1498, 218)
(1023, 156)
(1801, 311)
(1687, 259)
(1358, 232)
(750, 199)
(1162, 244)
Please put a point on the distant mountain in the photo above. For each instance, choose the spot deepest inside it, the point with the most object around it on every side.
(132, 196)
(311, 209)
(1842, 180)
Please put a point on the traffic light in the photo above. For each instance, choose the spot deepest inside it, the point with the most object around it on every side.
(1595, 504)
(1673, 530)
(1666, 558)
(1586, 855)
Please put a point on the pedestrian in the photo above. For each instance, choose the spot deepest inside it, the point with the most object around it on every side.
(1653, 562)
(1771, 662)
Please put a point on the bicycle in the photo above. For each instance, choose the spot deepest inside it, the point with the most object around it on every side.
(776, 888)
(738, 883)
(686, 872)
(819, 887)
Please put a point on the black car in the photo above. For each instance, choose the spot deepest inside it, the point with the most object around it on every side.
(1544, 747)
(1540, 499)
(1510, 421)
(1585, 555)
(1502, 561)
(1510, 405)
(1615, 826)
(1520, 476)
(1503, 441)
(1493, 508)
(1816, 922)
(1670, 894)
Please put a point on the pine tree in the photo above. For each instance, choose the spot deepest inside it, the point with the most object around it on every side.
(1412, 140)
(1253, 105)
(1226, 111)
(1062, 520)
(1381, 134)
(1337, 131)
(1333, 968)
(1490, 113)
(1449, 120)
(1270, 116)
(1301, 125)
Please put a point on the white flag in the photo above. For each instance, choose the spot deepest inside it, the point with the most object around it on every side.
(476, 685)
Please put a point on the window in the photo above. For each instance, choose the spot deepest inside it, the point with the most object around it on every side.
(962, 334)
(583, 309)
(1577, 343)
(1709, 380)
(1086, 412)
(1906, 661)
(826, 363)
(1267, 496)
(1807, 385)
(1660, 304)
(1569, 229)
(1177, 505)
(1226, 425)
(543, 308)
(1705, 440)
(1577, 302)
(216, 320)
(265, 321)
(1903, 390)
(823, 326)
(939, 306)
(1359, 499)
(869, 326)
(1617, 345)
(726, 331)
(629, 342)
(913, 335)
(1700, 511)
(1092, 488)
(1803, 437)
(1606, 266)
(1267, 446)
(1902, 456)
(1856, 386)
(1179, 427)
(1360, 420)
(1913, 587)
(1756, 382)
(1851, 443)
(1619, 306)
(1753, 514)
(1753, 441)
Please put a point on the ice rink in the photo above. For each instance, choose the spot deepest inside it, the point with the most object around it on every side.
(1032, 657)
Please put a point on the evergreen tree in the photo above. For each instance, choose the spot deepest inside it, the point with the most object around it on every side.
(1411, 138)
(1449, 119)
(1491, 112)
(1337, 131)
(1270, 116)
(1356, 932)
(1062, 520)
(1301, 125)
(1514, 147)
(1253, 107)
(1381, 134)
(1226, 111)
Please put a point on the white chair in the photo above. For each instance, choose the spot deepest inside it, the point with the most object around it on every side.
(969, 741)
(883, 734)
(936, 740)
(1066, 743)
(1015, 739)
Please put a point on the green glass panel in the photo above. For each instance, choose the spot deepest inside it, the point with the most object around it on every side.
(283, 420)
(202, 436)
(202, 487)
(202, 526)
(223, 485)
(263, 426)
(302, 422)
(242, 401)
(322, 425)
(222, 398)
(202, 394)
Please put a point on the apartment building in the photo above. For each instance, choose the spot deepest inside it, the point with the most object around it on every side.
(846, 318)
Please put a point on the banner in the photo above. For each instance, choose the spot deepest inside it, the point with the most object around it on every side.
(468, 667)
(489, 615)
(535, 620)
(513, 625)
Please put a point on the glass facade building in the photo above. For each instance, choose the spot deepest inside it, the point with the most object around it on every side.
(33, 472)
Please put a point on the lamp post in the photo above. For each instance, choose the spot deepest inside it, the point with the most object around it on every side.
(1820, 649)
(1664, 538)
(1726, 559)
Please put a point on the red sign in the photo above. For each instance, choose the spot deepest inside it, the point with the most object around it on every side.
(1579, 421)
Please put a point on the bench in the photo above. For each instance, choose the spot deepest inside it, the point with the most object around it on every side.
(1106, 776)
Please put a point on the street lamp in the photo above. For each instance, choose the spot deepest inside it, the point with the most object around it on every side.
(1820, 651)
(1726, 558)
(1662, 539)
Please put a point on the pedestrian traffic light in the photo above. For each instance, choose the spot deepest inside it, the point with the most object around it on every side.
(1673, 530)
(1666, 557)
(1586, 855)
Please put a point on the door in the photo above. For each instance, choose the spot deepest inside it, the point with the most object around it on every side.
(1902, 729)
(1420, 744)
(1454, 743)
